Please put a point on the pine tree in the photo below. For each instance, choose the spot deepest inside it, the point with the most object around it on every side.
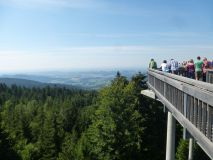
(7, 151)
(46, 141)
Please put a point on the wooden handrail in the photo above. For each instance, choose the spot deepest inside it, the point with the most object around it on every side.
(199, 84)
(209, 76)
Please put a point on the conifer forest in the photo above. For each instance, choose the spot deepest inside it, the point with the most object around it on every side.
(113, 123)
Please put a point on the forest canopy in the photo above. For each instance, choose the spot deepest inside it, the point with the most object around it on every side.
(116, 122)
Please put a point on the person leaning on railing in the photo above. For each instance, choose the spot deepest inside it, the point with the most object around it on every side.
(174, 66)
(206, 65)
(190, 69)
(164, 66)
(182, 70)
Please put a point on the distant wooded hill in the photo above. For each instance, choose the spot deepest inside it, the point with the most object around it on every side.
(84, 79)
(30, 83)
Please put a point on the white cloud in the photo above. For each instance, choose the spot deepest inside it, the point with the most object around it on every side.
(97, 57)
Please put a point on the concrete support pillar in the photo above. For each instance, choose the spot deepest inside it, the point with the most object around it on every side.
(170, 142)
(190, 157)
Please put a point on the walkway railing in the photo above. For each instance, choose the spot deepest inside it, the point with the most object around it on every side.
(190, 102)
(209, 76)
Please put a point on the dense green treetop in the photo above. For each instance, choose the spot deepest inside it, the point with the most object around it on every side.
(53, 123)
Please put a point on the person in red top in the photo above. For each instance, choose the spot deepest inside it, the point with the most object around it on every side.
(205, 66)
(190, 69)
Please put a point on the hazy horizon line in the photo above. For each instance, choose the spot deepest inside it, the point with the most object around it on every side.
(98, 69)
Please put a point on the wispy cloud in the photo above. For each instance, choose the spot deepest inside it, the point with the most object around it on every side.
(52, 3)
(105, 6)
(133, 50)
(116, 49)
(163, 35)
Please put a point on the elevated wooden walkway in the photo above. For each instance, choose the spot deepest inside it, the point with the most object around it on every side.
(190, 103)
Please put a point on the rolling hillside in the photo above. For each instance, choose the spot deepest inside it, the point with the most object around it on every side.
(30, 83)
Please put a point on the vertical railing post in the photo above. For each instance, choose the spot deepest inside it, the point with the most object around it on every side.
(185, 104)
(191, 109)
(185, 99)
(164, 94)
(199, 114)
(148, 78)
(188, 113)
(209, 76)
(209, 122)
(204, 118)
(154, 81)
(196, 112)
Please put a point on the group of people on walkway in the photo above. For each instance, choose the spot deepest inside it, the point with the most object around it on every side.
(195, 70)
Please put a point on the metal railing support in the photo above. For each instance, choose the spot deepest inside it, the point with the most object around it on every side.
(170, 142)
(190, 157)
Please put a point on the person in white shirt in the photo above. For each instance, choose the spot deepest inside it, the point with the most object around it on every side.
(164, 66)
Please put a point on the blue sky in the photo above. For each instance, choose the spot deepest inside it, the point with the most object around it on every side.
(77, 34)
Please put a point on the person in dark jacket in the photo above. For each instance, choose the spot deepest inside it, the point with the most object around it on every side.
(152, 64)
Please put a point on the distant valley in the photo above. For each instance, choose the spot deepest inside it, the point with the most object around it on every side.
(80, 79)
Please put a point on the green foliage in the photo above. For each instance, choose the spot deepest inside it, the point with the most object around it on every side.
(182, 150)
(117, 125)
(36, 120)
(63, 124)
(7, 146)
(100, 136)
(30, 152)
(68, 147)
(46, 140)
